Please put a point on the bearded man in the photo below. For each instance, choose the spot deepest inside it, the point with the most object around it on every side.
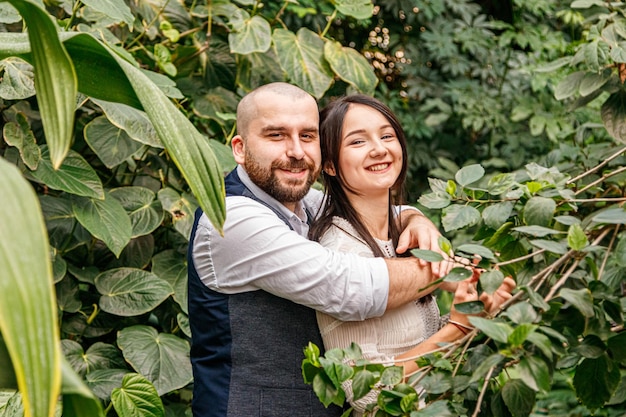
(253, 291)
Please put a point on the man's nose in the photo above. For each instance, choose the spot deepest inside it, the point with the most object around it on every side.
(294, 148)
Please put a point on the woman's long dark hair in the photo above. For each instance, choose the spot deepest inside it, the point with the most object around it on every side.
(336, 202)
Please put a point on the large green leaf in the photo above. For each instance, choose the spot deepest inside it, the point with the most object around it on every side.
(539, 211)
(301, 56)
(137, 397)
(131, 292)
(144, 210)
(171, 266)
(106, 220)
(180, 207)
(134, 122)
(497, 214)
(64, 231)
(351, 66)
(581, 299)
(74, 176)
(55, 79)
(28, 316)
(596, 380)
(113, 9)
(98, 356)
(18, 80)
(614, 115)
(161, 357)
(360, 9)
(518, 397)
(112, 145)
(496, 330)
(469, 174)
(458, 216)
(253, 36)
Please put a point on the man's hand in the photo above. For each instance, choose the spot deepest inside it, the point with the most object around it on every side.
(419, 231)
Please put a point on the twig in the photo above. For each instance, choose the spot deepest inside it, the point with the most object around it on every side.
(608, 251)
(601, 179)
(521, 258)
(482, 391)
(597, 167)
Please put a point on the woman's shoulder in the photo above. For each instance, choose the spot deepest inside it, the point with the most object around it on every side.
(342, 236)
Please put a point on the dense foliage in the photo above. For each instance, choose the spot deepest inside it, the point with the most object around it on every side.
(121, 121)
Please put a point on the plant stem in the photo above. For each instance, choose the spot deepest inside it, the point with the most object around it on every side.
(483, 391)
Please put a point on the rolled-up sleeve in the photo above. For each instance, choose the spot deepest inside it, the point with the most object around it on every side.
(258, 251)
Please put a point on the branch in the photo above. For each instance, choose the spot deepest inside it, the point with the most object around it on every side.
(597, 167)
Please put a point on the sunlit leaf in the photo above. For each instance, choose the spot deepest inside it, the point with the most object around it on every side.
(351, 67)
(254, 36)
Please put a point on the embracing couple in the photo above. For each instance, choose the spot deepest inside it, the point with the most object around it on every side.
(296, 265)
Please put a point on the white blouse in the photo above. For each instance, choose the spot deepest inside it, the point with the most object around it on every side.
(380, 338)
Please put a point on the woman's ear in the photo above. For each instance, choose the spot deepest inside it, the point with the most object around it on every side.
(329, 168)
(239, 148)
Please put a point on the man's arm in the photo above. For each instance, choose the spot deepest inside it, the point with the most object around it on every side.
(408, 281)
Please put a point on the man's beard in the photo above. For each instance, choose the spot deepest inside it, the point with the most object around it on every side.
(284, 192)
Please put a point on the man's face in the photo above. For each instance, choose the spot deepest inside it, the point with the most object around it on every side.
(281, 150)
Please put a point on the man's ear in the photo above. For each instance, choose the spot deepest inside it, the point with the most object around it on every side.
(329, 168)
(239, 148)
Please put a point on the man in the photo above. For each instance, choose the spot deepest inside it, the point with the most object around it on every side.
(253, 291)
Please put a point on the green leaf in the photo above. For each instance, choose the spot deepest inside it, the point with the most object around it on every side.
(55, 79)
(491, 280)
(436, 200)
(581, 299)
(18, 79)
(457, 217)
(501, 183)
(474, 249)
(427, 255)
(359, 9)
(614, 115)
(613, 215)
(143, 209)
(161, 357)
(569, 85)
(21, 136)
(170, 266)
(326, 391)
(78, 400)
(103, 381)
(539, 211)
(28, 313)
(301, 56)
(112, 145)
(351, 66)
(550, 245)
(576, 237)
(362, 383)
(497, 214)
(518, 398)
(458, 274)
(538, 231)
(617, 346)
(131, 292)
(542, 342)
(8, 14)
(534, 373)
(134, 122)
(137, 397)
(180, 207)
(392, 375)
(520, 334)
(593, 81)
(74, 176)
(595, 381)
(590, 347)
(113, 9)
(470, 307)
(210, 104)
(485, 365)
(98, 356)
(469, 174)
(499, 332)
(105, 219)
(254, 36)
(521, 312)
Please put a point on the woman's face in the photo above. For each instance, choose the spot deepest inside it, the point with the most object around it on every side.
(370, 155)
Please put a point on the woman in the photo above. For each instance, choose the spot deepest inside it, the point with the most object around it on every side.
(364, 161)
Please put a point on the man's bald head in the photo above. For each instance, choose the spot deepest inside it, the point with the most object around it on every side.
(247, 109)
